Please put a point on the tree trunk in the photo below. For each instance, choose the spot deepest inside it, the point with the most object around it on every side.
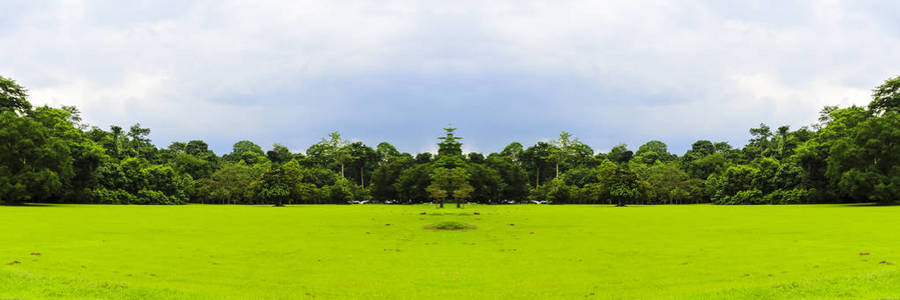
(537, 178)
(441, 202)
(557, 170)
(342, 170)
(362, 182)
(458, 203)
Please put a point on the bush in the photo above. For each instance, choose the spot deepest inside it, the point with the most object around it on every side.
(753, 196)
(156, 197)
(451, 225)
(792, 196)
(107, 196)
(341, 192)
(556, 191)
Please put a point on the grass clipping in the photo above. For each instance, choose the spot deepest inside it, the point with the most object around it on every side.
(450, 225)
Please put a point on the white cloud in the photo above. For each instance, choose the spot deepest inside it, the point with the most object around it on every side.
(292, 71)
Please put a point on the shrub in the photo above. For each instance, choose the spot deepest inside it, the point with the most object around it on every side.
(156, 197)
(792, 196)
(107, 196)
(753, 196)
(450, 225)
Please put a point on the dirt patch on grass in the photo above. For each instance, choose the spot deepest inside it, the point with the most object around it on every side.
(450, 225)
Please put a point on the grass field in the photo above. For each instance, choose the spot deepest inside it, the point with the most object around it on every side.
(393, 252)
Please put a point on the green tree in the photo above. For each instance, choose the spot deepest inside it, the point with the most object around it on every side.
(279, 154)
(385, 152)
(13, 97)
(449, 183)
(653, 152)
(388, 173)
(562, 149)
(335, 150)
(248, 152)
(43, 156)
(449, 144)
(363, 159)
(512, 175)
(412, 183)
(514, 152)
(886, 97)
(537, 160)
(620, 182)
(280, 182)
(620, 154)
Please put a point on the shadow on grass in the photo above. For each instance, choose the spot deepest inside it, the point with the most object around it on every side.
(450, 214)
(29, 204)
(871, 204)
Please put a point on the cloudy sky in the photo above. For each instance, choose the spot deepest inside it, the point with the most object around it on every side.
(398, 71)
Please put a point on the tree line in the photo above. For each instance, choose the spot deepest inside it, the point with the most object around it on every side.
(49, 155)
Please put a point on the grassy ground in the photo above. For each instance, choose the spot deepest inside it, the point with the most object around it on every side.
(514, 251)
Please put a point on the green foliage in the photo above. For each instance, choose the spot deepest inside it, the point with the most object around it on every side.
(512, 177)
(556, 191)
(44, 157)
(450, 144)
(653, 152)
(387, 173)
(279, 154)
(886, 97)
(117, 196)
(449, 182)
(620, 154)
(247, 152)
(155, 197)
(281, 182)
(50, 155)
(13, 97)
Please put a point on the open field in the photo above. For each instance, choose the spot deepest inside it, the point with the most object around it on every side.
(514, 251)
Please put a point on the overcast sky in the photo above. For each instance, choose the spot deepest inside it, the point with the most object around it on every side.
(500, 71)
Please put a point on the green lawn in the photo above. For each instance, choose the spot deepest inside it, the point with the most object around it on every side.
(386, 252)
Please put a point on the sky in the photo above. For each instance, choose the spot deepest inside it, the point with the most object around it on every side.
(290, 72)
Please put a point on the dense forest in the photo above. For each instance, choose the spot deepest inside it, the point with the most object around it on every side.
(49, 155)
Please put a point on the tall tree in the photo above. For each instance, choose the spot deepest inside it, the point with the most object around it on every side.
(886, 97)
(279, 154)
(363, 159)
(564, 149)
(449, 182)
(335, 148)
(514, 152)
(536, 159)
(13, 97)
(653, 152)
(620, 154)
(280, 182)
(449, 144)
(248, 152)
